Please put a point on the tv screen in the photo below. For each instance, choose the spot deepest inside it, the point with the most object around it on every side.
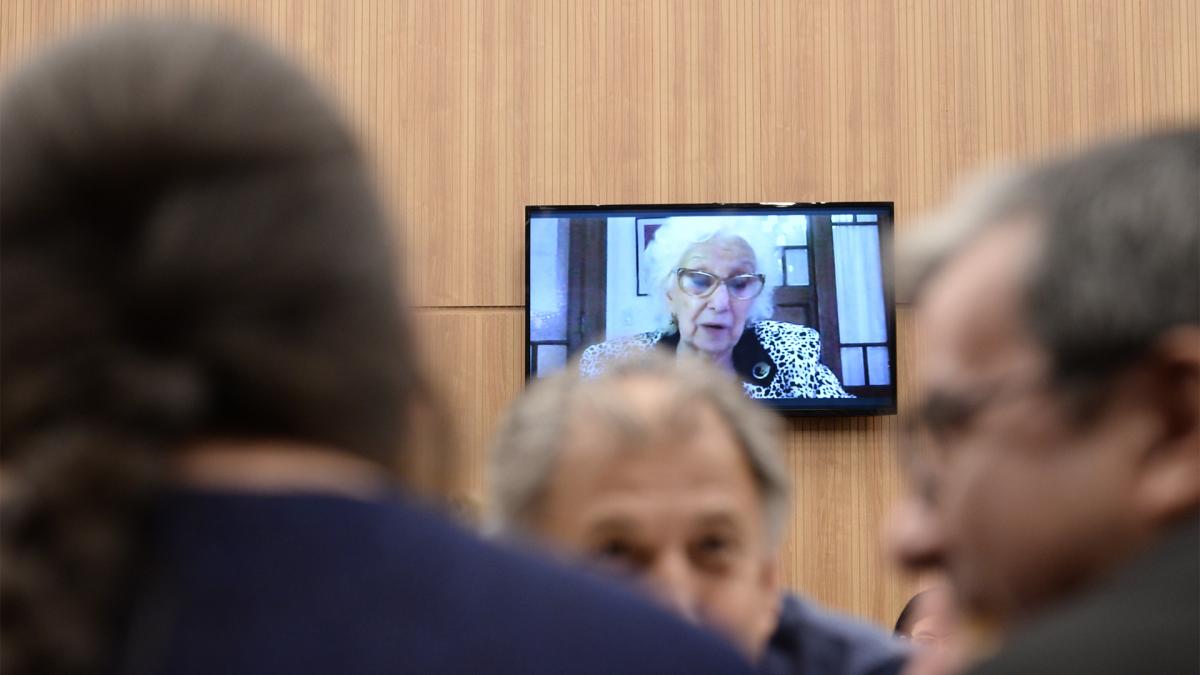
(794, 299)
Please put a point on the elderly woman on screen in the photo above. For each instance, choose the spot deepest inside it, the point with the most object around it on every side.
(716, 302)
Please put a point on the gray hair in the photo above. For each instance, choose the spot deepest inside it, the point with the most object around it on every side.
(1120, 258)
(539, 424)
(978, 202)
(679, 234)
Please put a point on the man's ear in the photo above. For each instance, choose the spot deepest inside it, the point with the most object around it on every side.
(1169, 487)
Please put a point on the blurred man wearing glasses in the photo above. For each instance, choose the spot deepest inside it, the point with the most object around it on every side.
(1055, 446)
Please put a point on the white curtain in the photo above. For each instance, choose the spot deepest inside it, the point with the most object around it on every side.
(861, 314)
(548, 240)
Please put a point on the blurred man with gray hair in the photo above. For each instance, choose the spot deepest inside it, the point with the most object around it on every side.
(1055, 445)
(663, 470)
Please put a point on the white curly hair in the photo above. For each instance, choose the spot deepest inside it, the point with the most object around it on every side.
(679, 234)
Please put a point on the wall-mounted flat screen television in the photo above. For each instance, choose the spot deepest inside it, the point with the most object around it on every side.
(794, 299)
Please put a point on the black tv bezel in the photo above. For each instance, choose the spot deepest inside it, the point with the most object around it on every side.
(873, 407)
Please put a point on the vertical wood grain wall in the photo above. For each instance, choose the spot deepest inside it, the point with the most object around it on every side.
(474, 108)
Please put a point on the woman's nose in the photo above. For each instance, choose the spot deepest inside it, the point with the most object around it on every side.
(719, 300)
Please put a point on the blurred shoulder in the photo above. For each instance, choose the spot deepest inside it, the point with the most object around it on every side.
(384, 585)
(812, 639)
(1144, 619)
(519, 613)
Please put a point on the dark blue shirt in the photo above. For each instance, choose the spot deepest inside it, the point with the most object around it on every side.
(322, 584)
(809, 640)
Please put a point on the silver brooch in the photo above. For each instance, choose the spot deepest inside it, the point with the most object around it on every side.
(761, 370)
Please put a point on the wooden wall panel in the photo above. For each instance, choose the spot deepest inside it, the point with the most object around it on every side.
(472, 109)
(474, 359)
(476, 107)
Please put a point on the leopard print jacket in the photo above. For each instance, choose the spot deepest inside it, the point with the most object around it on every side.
(774, 359)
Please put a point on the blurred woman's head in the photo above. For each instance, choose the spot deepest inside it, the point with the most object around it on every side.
(191, 250)
(928, 620)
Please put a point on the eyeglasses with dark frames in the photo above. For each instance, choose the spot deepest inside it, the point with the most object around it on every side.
(941, 421)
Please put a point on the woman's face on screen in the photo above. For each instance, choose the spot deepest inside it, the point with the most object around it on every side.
(712, 325)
